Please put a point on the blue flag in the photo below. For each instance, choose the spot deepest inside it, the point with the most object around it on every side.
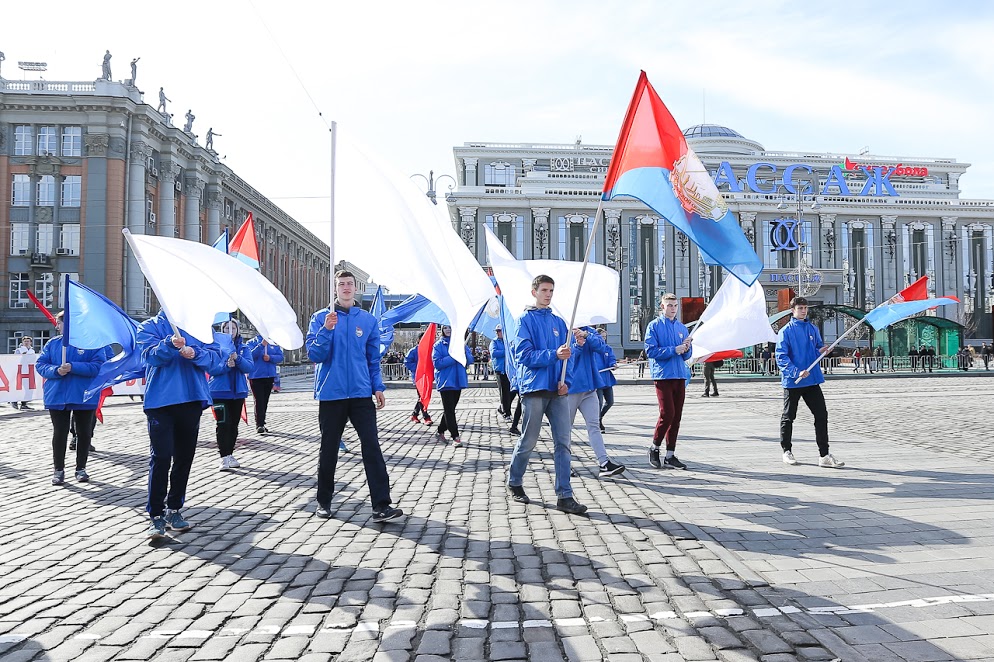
(415, 308)
(883, 316)
(221, 243)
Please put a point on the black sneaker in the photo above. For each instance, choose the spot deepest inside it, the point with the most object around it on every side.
(609, 469)
(705, 395)
(603, 431)
(673, 463)
(518, 493)
(515, 431)
(323, 511)
(569, 505)
(654, 457)
(93, 449)
(387, 514)
(715, 394)
(72, 443)
(572, 473)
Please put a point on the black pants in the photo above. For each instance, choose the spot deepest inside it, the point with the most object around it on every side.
(84, 421)
(517, 409)
(709, 380)
(332, 417)
(815, 401)
(229, 413)
(450, 398)
(262, 388)
(605, 396)
(172, 434)
(420, 408)
(504, 384)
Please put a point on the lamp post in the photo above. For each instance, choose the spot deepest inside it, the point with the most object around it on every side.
(432, 181)
(798, 199)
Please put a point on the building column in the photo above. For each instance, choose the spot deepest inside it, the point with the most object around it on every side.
(948, 246)
(134, 291)
(829, 238)
(469, 171)
(612, 234)
(194, 187)
(467, 228)
(540, 223)
(747, 220)
(214, 202)
(167, 199)
(888, 245)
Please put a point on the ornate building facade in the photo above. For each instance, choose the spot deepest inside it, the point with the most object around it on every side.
(80, 161)
(851, 229)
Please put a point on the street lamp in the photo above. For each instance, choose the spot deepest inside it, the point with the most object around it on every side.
(430, 179)
(798, 200)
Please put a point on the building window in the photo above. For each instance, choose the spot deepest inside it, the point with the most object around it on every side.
(47, 141)
(46, 191)
(19, 284)
(72, 188)
(43, 242)
(45, 289)
(20, 191)
(23, 139)
(62, 284)
(69, 239)
(499, 173)
(72, 141)
(19, 238)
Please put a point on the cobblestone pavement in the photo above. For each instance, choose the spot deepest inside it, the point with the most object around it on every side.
(740, 558)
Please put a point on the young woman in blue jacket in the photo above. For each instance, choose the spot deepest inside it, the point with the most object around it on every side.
(450, 380)
(65, 383)
(229, 389)
(265, 357)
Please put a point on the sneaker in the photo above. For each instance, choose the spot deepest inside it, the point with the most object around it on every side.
(175, 521)
(705, 395)
(603, 430)
(93, 449)
(569, 505)
(507, 418)
(232, 462)
(830, 462)
(25, 407)
(673, 463)
(342, 448)
(715, 394)
(788, 458)
(458, 442)
(440, 438)
(82, 476)
(518, 493)
(609, 469)
(515, 431)
(323, 511)
(387, 514)
(428, 420)
(58, 477)
(72, 443)
(157, 529)
(414, 418)
(225, 465)
(654, 457)
(572, 473)
(260, 429)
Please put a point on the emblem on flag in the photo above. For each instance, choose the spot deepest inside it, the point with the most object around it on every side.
(692, 186)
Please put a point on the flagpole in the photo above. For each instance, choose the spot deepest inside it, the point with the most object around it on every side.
(331, 238)
(583, 271)
(151, 282)
(65, 315)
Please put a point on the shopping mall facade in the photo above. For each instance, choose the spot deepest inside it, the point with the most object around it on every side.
(865, 226)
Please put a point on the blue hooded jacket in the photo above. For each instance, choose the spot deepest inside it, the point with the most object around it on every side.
(798, 345)
(411, 362)
(449, 374)
(262, 369)
(662, 337)
(169, 378)
(584, 362)
(605, 360)
(540, 333)
(67, 392)
(497, 352)
(347, 357)
(230, 383)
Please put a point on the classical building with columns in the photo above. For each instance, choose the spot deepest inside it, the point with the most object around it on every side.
(80, 161)
(865, 225)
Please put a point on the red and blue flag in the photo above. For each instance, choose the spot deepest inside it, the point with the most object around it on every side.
(243, 245)
(653, 163)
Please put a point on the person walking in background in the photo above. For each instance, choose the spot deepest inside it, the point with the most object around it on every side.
(985, 354)
(411, 363)
(798, 345)
(709, 381)
(229, 389)
(606, 362)
(913, 356)
(668, 346)
(856, 356)
(929, 354)
(26, 347)
(498, 353)
(265, 357)
(176, 395)
(65, 382)
(450, 380)
(585, 353)
(642, 360)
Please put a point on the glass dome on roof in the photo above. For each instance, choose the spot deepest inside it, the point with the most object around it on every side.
(711, 131)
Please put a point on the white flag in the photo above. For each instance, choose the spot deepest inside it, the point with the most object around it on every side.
(195, 281)
(735, 318)
(599, 299)
(385, 225)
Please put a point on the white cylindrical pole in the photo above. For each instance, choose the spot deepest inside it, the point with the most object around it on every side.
(583, 271)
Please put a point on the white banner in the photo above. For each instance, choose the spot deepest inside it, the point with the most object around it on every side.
(19, 382)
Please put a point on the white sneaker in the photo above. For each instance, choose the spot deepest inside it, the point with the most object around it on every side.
(830, 462)
(788, 458)
(225, 463)
(232, 462)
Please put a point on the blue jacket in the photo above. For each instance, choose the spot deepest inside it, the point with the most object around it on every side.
(449, 374)
(798, 345)
(540, 333)
(411, 362)
(606, 359)
(347, 357)
(67, 392)
(662, 337)
(584, 362)
(262, 369)
(169, 378)
(497, 352)
(229, 383)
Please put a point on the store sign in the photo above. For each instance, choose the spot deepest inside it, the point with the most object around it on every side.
(784, 234)
(768, 178)
(900, 170)
(579, 163)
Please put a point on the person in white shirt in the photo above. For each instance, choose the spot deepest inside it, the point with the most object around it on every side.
(27, 347)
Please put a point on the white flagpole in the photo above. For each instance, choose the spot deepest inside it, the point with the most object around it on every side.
(151, 281)
(583, 271)
(65, 315)
(331, 218)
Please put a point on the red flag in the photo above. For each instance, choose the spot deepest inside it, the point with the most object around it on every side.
(424, 376)
(42, 308)
(727, 354)
(103, 396)
(243, 245)
(917, 291)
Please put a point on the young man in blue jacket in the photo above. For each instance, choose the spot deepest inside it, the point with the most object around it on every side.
(667, 344)
(344, 341)
(65, 383)
(798, 345)
(497, 359)
(541, 345)
(176, 394)
(584, 365)
(229, 388)
(450, 380)
(265, 357)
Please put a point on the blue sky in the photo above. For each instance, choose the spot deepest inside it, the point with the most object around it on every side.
(412, 80)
